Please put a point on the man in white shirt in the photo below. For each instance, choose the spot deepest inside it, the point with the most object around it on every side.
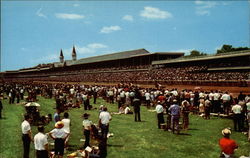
(59, 135)
(87, 127)
(41, 143)
(104, 119)
(159, 111)
(147, 97)
(27, 136)
(237, 117)
(66, 127)
(226, 102)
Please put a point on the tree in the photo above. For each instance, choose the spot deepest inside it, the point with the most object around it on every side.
(196, 53)
(228, 48)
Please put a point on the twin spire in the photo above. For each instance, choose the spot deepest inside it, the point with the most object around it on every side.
(73, 55)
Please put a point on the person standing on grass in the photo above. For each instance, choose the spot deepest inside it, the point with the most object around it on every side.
(66, 127)
(237, 109)
(26, 135)
(207, 105)
(227, 145)
(57, 115)
(104, 119)
(159, 111)
(185, 113)
(41, 143)
(59, 135)
(1, 108)
(175, 116)
(86, 129)
(137, 104)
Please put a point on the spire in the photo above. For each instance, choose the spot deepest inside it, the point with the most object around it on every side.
(74, 53)
(61, 56)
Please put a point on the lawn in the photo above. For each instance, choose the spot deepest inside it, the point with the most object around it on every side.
(131, 139)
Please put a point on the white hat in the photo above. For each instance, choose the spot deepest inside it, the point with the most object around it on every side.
(226, 131)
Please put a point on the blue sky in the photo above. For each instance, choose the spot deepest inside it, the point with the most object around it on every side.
(34, 32)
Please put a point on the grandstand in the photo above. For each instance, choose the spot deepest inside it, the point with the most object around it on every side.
(142, 67)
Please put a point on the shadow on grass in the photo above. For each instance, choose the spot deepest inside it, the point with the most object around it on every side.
(193, 129)
(185, 134)
(113, 145)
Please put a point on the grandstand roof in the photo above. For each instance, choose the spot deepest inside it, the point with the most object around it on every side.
(202, 58)
(113, 56)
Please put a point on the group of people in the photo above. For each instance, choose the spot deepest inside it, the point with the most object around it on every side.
(172, 103)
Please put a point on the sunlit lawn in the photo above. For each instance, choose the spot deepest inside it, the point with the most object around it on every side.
(131, 139)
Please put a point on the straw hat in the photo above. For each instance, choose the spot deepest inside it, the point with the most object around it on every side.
(226, 131)
(59, 124)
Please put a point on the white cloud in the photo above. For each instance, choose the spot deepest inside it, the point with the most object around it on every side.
(23, 49)
(110, 29)
(203, 7)
(76, 5)
(81, 51)
(97, 45)
(128, 18)
(40, 14)
(89, 49)
(46, 59)
(155, 13)
(69, 16)
(186, 51)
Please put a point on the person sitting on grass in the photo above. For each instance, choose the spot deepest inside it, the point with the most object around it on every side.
(227, 145)
(59, 135)
(128, 110)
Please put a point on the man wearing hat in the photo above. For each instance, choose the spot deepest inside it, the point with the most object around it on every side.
(59, 135)
(41, 143)
(87, 127)
(227, 145)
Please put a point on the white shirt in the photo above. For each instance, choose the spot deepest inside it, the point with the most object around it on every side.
(104, 117)
(40, 140)
(216, 96)
(159, 108)
(147, 96)
(236, 109)
(211, 96)
(127, 109)
(225, 97)
(87, 124)
(66, 123)
(25, 127)
(59, 133)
